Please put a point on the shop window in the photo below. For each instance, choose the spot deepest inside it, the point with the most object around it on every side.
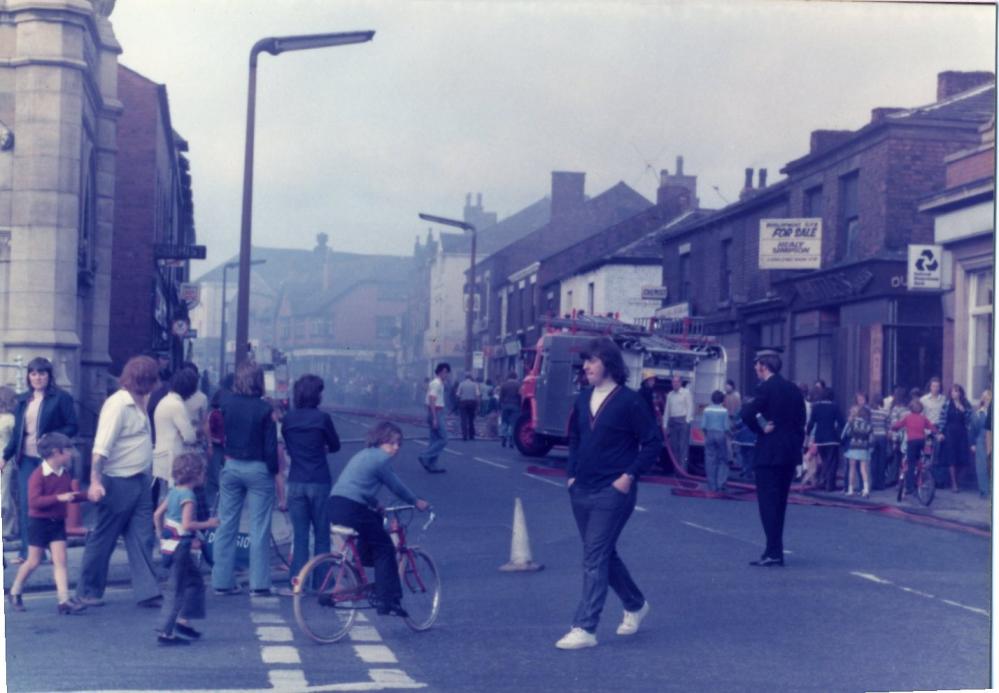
(590, 296)
(913, 354)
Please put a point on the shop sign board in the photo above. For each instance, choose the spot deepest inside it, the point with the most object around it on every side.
(675, 311)
(790, 244)
(654, 293)
(925, 268)
(478, 359)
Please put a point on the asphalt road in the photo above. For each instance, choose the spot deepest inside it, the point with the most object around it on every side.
(866, 603)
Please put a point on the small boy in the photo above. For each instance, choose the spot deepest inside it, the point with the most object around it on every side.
(744, 445)
(49, 492)
(714, 423)
(176, 524)
(915, 426)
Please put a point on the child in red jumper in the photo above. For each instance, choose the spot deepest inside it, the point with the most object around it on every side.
(915, 425)
(49, 491)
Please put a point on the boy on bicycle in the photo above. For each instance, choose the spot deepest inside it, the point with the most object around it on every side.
(353, 502)
(915, 425)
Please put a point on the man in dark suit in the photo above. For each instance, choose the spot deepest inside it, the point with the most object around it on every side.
(779, 442)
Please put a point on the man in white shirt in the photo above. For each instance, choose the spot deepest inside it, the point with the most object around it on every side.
(933, 402)
(436, 419)
(679, 414)
(120, 481)
(468, 406)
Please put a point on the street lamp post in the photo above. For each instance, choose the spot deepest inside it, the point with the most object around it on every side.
(225, 269)
(274, 46)
(464, 226)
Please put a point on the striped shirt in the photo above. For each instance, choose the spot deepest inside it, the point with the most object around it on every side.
(879, 422)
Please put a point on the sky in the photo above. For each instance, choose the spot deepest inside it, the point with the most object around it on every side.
(451, 98)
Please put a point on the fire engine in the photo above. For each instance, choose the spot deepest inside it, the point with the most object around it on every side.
(654, 350)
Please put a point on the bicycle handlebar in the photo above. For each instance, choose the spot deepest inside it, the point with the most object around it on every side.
(398, 508)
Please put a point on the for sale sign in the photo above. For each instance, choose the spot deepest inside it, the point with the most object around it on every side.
(790, 244)
(925, 267)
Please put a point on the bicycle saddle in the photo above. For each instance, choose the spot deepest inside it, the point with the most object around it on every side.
(343, 531)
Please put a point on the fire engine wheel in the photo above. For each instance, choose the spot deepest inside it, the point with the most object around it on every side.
(529, 442)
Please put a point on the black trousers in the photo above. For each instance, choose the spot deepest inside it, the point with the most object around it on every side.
(373, 537)
(772, 487)
(468, 410)
(829, 454)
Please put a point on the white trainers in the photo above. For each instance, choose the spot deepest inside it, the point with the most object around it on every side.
(632, 619)
(576, 639)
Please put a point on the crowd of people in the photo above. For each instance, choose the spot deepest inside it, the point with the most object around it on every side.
(168, 465)
(856, 453)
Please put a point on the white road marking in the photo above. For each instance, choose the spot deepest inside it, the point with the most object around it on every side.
(288, 679)
(274, 634)
(365, 634)
(641, 509)
(453, 452)
(395, 677)
(881, 581)
(266, 617)
(361, 618)
(490, 462)
(424, 443)
(375, 654)
(265, 602)
(279, 654)
(725, 534)
(544, 480)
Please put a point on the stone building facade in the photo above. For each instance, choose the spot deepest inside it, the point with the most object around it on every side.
(59, 108)
(853, 322)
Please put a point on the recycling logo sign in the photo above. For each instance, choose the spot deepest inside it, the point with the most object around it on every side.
(925, 267)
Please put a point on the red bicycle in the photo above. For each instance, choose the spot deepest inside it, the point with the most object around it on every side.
(925, 484)
(333, 586)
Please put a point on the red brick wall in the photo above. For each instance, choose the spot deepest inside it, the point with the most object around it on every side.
(975, 166)
(132, 263)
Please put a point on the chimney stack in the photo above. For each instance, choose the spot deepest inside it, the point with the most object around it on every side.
(568, 193)
(763, 178)
(679, 165)
(953, 83)
(677, 193)
(747, 185)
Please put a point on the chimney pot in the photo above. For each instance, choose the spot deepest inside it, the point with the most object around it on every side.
(479, 200)
(763, 178)
(679, 165)
(468, 199)
(749, 179)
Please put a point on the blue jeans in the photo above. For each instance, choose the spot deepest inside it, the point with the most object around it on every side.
(600, 516)
(438, 441)
(715, 459)
(507, 420)
(307, 507)
(244, 480)
(982, 465)
(25, 467)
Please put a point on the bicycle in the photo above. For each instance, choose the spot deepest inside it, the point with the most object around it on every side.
(331, 587)
(925, 484)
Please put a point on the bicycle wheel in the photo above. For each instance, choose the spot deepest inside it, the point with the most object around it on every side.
(421, 589)
(326, 597)
(926, 486)
(901, 484)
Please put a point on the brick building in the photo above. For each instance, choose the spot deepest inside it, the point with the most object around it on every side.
(513, 306)
(964, 225)
(853, 322)
(153, 207)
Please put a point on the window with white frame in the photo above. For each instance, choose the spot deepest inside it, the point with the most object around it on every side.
(980, 298)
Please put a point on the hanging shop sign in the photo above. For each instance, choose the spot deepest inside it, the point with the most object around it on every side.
(790, 244)
(925, 267)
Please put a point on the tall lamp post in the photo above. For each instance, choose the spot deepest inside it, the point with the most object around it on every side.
(464, 226)
(225, 269)
(274, 46)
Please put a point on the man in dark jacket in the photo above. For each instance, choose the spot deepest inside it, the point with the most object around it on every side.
(779, 441)
(612, 440)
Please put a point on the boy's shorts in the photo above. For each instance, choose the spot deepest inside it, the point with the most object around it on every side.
(43, 530)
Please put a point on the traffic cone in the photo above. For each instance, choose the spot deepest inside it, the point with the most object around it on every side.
(520, 545)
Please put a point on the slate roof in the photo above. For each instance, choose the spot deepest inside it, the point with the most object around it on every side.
(614, 205)
(492, 238)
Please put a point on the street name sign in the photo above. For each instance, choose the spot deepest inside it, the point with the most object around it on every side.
(654, 293)
(167, 251)
(790, 244)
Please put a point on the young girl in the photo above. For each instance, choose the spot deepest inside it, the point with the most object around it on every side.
(353, 502)
(857, 436)
(915, 425)
(184, 594)
(49, 491)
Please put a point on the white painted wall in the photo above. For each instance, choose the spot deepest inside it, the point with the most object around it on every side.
(617, 289)
(446, 331)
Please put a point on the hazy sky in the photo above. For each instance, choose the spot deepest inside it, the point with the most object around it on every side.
(457, 97)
